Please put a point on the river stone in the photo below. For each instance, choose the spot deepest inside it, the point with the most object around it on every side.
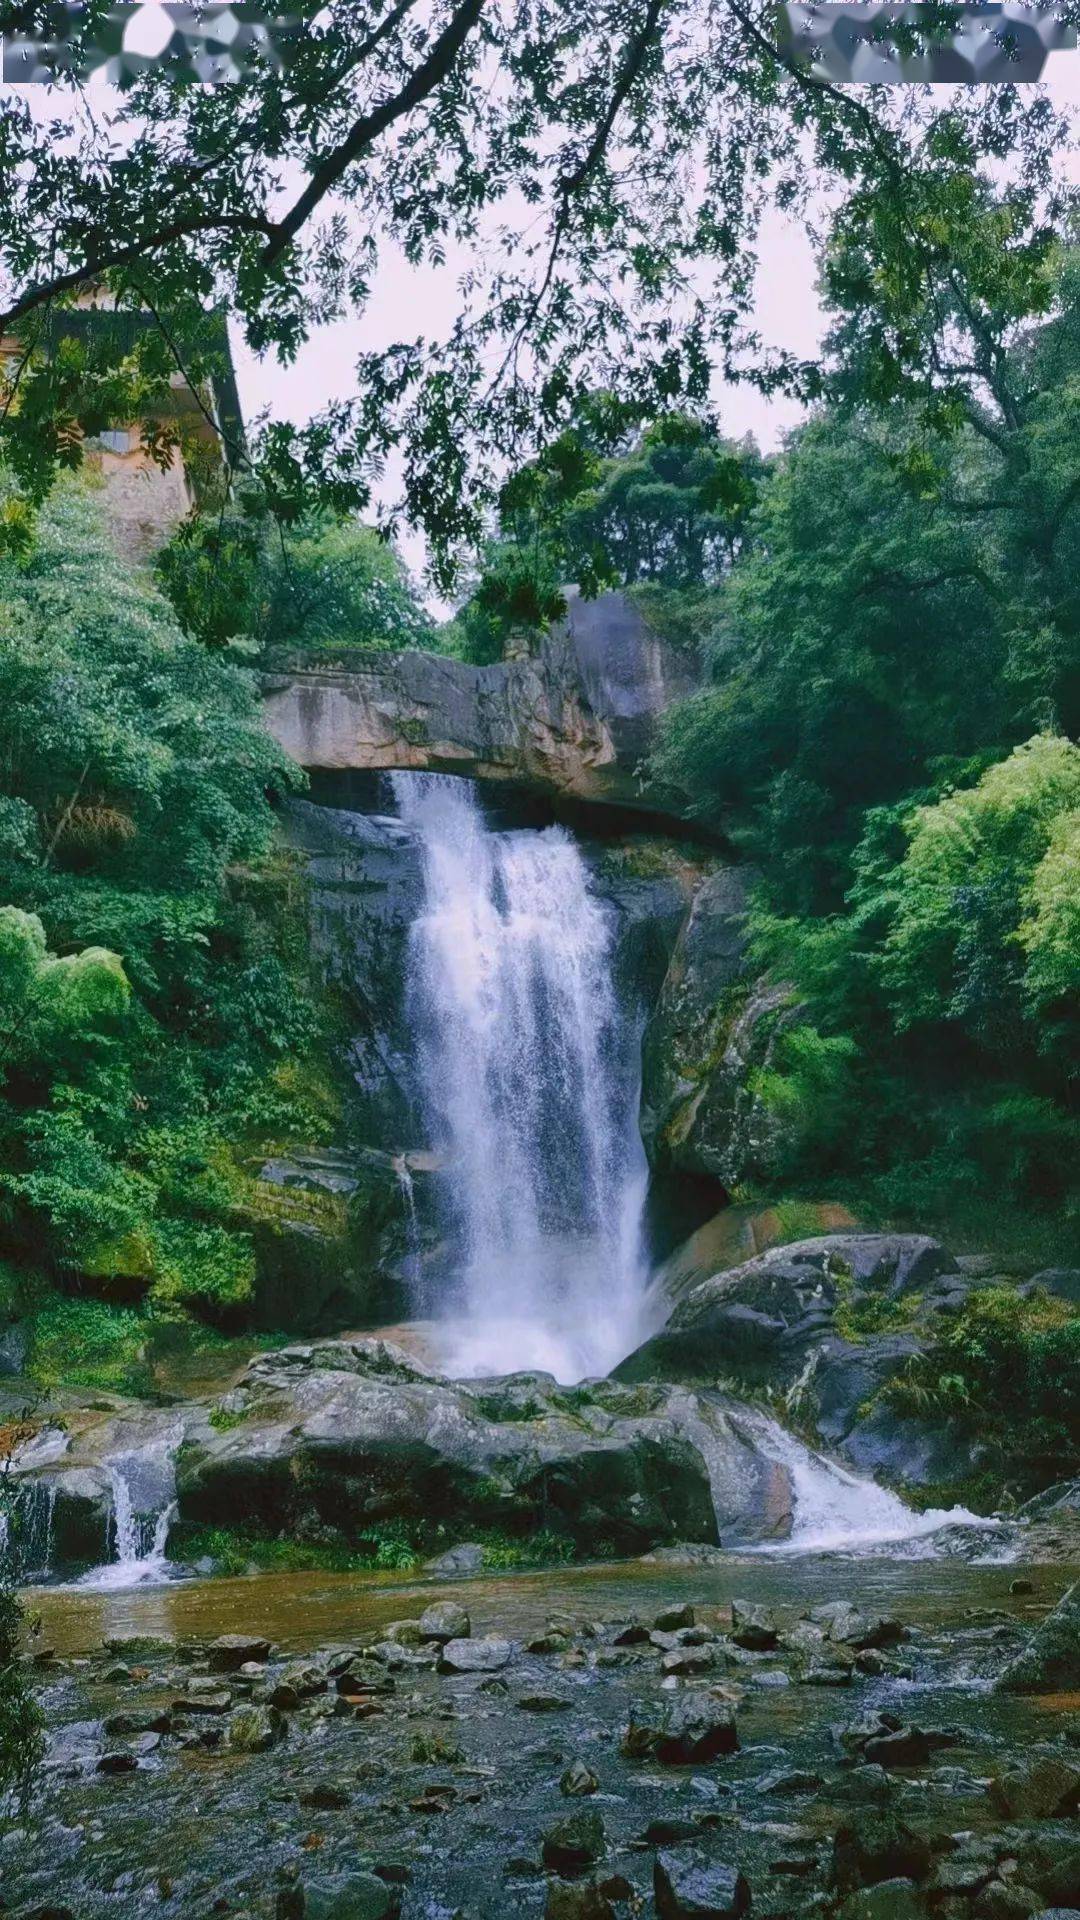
(689, 1730)
(577, 1900)
(672, 1619)
(578, 1779)
(219, 1700)
(574, 1843)
(1050, 1663)
(902, 1747)
(144, 1720)
(403, 1633)
(360, 1896)
(753, 1627)
(690, 1887)
(881, 1847)
(690, 1660)
(485, 1655)
(1037, 1789)
(230, 1651)
(467, 1558)
(255, 1729)
(445, 1621)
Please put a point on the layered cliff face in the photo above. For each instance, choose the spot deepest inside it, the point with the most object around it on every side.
(574, 721)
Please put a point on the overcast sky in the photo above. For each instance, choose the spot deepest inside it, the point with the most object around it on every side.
(410, 301)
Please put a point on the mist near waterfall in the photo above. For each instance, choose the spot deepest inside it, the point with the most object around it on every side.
(529, 1071)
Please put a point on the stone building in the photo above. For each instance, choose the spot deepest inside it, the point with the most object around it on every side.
(144, 502)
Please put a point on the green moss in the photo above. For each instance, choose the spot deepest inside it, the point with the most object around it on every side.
(225, 1419)
(87, 1343)
(392, 1546)
(861, 1316)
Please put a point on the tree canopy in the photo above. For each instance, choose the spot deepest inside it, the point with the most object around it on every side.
(604, 169)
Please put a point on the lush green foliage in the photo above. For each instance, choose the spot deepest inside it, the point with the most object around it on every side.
(20, 1716)
(393, 1546)
(602, 171)
(327, 584)
(153, 983)
(1007, 1370)
(665, 509)
(888, 731)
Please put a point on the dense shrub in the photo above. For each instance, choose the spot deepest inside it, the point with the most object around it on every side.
(157, 1012)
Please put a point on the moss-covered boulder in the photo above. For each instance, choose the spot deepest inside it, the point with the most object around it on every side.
(711, 1035)
(1050, 1663)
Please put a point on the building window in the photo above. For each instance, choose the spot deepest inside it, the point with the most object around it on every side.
(116, 439)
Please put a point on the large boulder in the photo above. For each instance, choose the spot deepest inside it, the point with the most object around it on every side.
(343, 1434)
(828, 1321)
(762, 1320)
(333, 1235)
(1050, 1663)
(325, 1440)
(576, 719)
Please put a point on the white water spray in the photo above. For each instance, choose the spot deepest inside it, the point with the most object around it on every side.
(530, 1084)
(834, 1510)
(142, 1509)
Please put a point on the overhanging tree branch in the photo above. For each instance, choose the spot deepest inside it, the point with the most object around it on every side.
(423, 81)
(111, 257)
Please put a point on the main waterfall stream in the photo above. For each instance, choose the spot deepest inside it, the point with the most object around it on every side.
(529, 1072)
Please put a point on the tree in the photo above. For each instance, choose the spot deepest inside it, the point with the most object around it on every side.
(604, 167)
(326, 583)
(609, 505)
(153, 1007)
(672, 511)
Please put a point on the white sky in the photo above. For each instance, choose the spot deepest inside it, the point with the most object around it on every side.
(409, 301)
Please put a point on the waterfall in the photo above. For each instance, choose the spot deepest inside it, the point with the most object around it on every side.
(142, 1508)
(836, 1510)
(530, 1080)
(26, 1527)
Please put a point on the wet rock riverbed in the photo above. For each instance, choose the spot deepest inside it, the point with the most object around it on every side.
(778, 1737)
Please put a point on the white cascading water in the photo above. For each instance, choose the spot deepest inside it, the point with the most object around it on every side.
(143, 1507)
(530, 1083)
(834, 1510)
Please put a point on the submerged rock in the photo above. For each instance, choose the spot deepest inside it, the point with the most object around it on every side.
(445, 1621)
(354, 1896)
(688, 1886)
(575, 1843)
(753, 1627)
(475, 1656)
(1037, 1789)
(881, 1847)
(230, 1651)
(692, 1729)
(578, 1779)
(580, 1900)
(255, 1729)
(1050, 1663)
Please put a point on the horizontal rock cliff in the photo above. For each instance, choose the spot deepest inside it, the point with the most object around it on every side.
(575, 721)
